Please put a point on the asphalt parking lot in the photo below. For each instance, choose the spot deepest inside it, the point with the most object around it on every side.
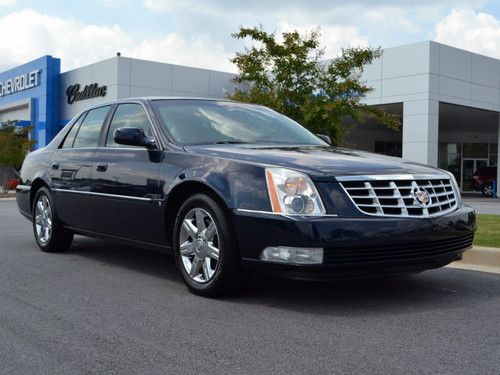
(105, 308)
(483, 205)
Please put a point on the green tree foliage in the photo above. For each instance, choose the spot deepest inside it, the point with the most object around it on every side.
(292, 77)
(14, 144)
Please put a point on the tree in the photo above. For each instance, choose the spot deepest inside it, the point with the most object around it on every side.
(292, 77)
(14, 145)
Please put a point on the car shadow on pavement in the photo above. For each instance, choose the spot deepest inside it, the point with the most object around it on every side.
(145, 261)
(431, 290)
(439, 289)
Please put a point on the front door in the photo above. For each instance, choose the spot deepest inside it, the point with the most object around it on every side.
(469, 166)
(125, 182)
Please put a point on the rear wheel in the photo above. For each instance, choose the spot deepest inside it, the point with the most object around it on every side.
(49, 232)
(206, 249)
(488, 190)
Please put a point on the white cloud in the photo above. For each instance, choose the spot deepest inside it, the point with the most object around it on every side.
(79, 44)
(343, 23)
(332, 38)
(74, 42)
(160, 6)
(4, 3)
(221, 18)
(200, 31)
(470, 30)
(198, 51)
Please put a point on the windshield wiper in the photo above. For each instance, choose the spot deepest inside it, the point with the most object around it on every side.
(229, 142)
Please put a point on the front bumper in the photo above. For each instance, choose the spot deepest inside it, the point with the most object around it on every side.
(356, 247)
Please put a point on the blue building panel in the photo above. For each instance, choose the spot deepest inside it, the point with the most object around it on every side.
(37, 80)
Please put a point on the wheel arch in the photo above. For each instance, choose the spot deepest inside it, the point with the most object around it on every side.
(36, 185)
(178, 195)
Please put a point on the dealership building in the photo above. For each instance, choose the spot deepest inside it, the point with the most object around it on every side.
(448, 99)
(38, 94)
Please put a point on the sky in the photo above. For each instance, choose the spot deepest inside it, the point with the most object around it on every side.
(198, 33)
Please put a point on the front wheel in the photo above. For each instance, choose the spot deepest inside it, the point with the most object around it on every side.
(49, 232)
(488, 190)
(206, 249)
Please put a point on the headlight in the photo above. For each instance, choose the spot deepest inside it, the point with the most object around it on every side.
(292, 193)
(455, 187)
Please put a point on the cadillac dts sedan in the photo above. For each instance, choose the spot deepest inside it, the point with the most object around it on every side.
(231, 188)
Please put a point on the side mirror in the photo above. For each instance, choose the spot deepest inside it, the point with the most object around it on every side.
(133, 137)
(325, 138)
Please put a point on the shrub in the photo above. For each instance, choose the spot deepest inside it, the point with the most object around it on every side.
(11, 184)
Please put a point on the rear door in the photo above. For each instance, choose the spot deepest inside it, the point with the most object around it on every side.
(125, 183)
(71, 169)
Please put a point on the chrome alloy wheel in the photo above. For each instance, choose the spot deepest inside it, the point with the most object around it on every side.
(199, 245)
(43, 219)
(488, 190)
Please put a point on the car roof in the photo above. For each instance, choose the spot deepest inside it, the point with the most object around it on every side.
(152, 98)
(486, 168)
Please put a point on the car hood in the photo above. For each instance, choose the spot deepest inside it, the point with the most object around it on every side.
(316, 160)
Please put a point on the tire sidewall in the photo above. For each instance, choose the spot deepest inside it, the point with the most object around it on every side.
(226, 243)
(56, 242)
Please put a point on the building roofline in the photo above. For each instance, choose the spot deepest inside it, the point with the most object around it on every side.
(439, 44)
(123, 58)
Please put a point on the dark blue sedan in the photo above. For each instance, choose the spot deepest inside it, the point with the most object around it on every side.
(230, 188)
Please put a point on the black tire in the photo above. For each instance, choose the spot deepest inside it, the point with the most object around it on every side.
(487, 190)
(229, 274)
(59, 239)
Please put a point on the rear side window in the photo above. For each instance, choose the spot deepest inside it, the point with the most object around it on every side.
(70, 137)
(128, 116)
(88, 135)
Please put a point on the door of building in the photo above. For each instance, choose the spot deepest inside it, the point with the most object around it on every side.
(469, 166)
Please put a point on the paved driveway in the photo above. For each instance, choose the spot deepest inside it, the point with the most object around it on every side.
(109, 309)
(484, 205)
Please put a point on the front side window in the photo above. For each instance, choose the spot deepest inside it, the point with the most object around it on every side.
(130, 115)
(88, 135)
(208, 122)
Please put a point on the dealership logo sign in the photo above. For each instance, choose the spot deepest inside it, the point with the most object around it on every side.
(93, 90)
(20, 83)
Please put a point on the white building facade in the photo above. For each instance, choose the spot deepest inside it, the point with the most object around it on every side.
(38, 94)
(125, 77)
(449, 101)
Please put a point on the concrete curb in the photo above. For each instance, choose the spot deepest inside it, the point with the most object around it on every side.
(8, 199)
(486, 259)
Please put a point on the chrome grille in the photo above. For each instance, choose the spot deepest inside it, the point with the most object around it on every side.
(396, 197)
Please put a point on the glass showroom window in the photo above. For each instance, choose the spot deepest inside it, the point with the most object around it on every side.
(450, 159)
(493, 154)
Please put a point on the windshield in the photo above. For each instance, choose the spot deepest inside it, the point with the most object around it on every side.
(193, 122)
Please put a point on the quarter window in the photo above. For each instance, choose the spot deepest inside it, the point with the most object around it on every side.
(70, 137)
(130, 115)
(88, 135)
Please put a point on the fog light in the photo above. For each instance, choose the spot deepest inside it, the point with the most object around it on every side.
(293, 255)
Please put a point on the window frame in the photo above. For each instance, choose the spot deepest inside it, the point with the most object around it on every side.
(103, 126)
(71, 125)
(110, 121)
(172, 141)
(104, 133)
